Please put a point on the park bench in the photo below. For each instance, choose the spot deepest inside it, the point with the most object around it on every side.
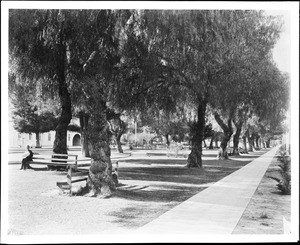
(68, 161)
(82, 174)
(75, 167)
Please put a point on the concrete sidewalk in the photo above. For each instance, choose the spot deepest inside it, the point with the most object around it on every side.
(217, 209)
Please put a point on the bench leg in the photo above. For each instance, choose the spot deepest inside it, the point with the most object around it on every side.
(69, 179)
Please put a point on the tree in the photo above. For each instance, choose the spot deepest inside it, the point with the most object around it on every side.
(199, 49)
(38, 45)
(188, 44)
(249, 39)
(29, 115)
(242, 114)
(272, 102)
(167, 121)
(61, 46)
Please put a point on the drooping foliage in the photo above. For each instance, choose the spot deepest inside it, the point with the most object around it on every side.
(166, 66)
(29, 114)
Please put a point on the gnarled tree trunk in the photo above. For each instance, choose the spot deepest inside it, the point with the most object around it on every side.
(100, 182)
(236, 138)
(227, 129)
(195, 157)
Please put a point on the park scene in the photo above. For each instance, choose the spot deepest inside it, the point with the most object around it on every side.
(139, 121)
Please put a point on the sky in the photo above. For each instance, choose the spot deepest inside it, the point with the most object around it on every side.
(282, 49)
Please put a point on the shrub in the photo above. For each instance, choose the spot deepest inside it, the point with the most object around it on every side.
(284, 182)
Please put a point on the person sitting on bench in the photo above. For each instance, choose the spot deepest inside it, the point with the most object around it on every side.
(27, 156)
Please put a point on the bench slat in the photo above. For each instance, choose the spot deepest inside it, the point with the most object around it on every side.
(54, 159)
(78, 180)
(64, 155)
(51, 163)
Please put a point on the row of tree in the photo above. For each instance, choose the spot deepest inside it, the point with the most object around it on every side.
(162, 66)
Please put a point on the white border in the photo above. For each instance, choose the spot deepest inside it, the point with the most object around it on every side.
(293, 7)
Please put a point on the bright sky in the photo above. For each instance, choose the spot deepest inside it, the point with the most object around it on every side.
(282, 49)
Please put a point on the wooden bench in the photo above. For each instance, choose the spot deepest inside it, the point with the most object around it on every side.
(70, 162)
(73, 165)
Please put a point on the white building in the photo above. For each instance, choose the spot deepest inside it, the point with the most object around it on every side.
(21, 140)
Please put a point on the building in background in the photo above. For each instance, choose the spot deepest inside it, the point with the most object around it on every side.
(21, 140)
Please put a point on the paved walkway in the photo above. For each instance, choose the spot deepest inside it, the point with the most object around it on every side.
(216, 209)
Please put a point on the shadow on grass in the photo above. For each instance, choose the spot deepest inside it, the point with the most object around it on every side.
(40, 169)
(177, 180)
(161, 194)
(55, 171)
(160, 187)
(163, 184)
(156, 154)
(213, 156)
(245, 156)
(138, 215)
(149, 161)
(213, 170)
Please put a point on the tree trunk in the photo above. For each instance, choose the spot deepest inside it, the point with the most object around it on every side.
(60, 142)
(204, 143)
(236, 138)
(37, 140)
(268, 143)
(211, 143)
(84, 119)
(256, 142)
(250, 144)
(216, 142)
(118, 139)
(227, 129)
(195, 157)
(245, 144)
(100, 182)
(167, 140)
(260, 142)
(120, 132)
